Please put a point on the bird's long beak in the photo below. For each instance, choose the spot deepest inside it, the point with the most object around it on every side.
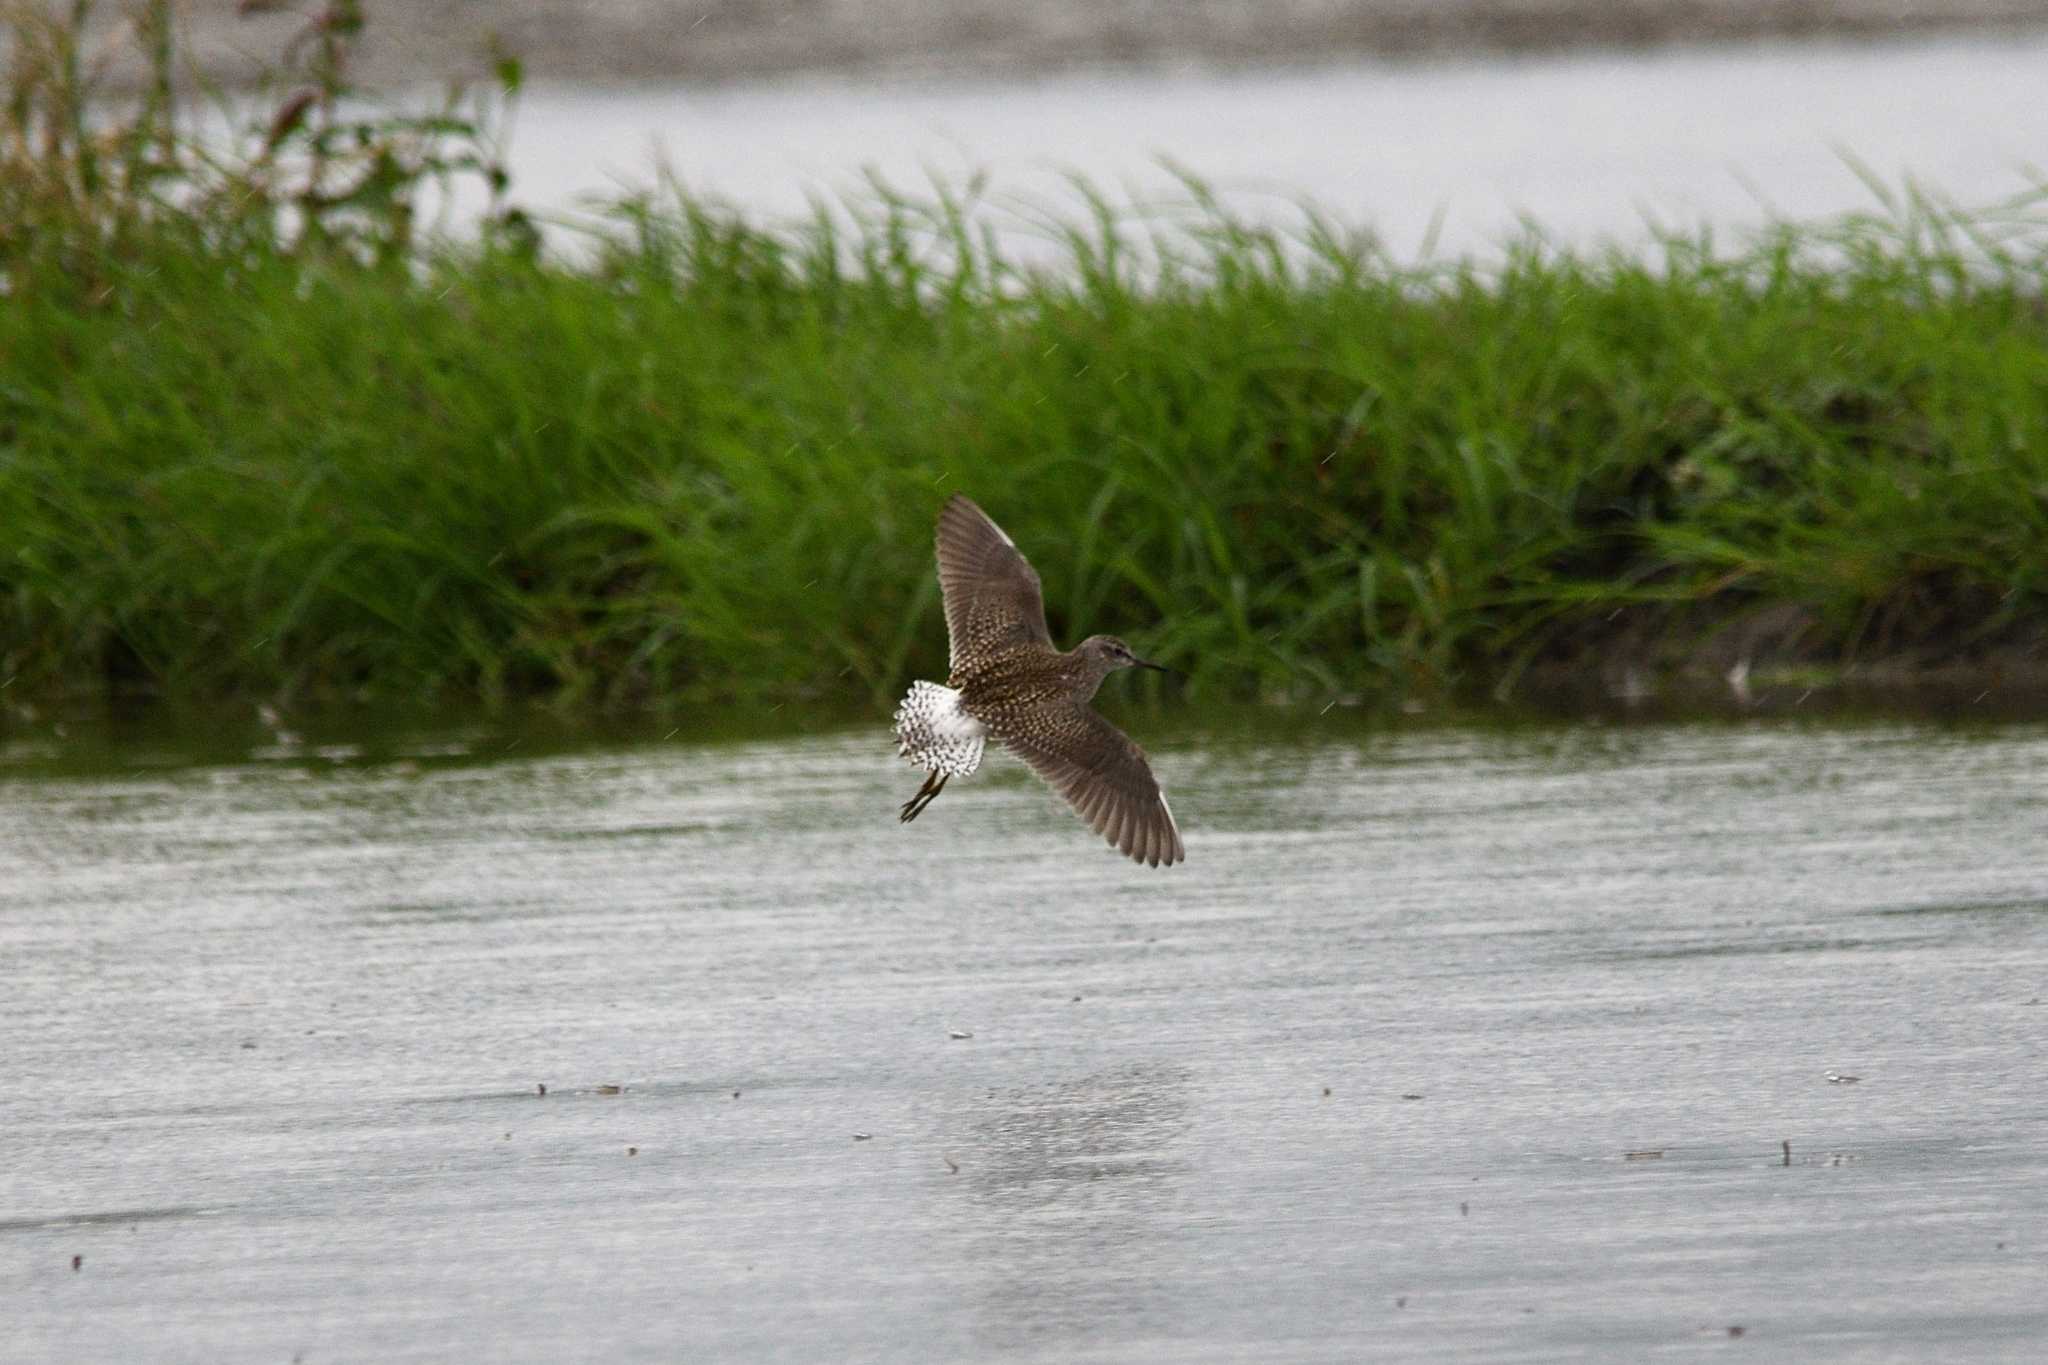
(1147, 663)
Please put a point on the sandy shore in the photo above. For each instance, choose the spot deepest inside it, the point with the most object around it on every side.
(648, 40)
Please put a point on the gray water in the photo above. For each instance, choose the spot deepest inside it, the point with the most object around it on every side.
(1451, 156)
(1445, 1042)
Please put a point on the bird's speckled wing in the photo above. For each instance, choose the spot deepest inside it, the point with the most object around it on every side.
(1102, 775)
(992, 595)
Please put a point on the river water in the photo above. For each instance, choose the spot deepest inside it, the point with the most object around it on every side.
(1446, 1041)
(1450, 155)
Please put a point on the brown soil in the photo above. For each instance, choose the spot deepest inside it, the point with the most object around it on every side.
(658, 40)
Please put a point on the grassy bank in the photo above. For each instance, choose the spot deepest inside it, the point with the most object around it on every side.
(254, 446)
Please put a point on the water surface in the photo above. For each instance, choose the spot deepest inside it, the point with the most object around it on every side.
(1452, 155)
(1445, 1041)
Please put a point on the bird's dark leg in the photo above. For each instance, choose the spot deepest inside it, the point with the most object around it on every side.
(915, 804)
(934, 783)
(908, 811)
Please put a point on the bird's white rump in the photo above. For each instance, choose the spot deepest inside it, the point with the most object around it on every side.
(934, 733)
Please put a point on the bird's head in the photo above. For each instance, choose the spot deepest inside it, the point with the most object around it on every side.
(1108, 653)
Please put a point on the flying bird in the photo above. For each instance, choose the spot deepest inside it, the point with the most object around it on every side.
(1009, 682)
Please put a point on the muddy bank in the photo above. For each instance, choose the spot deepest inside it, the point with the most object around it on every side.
(1775, 657)
(640, 40)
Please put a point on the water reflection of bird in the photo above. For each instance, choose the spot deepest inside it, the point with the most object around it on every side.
(1077, 1191)
(1008, 681)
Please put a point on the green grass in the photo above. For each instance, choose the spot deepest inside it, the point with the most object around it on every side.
(702, 462)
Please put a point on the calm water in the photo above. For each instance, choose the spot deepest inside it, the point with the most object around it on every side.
(1445, 1041)
(1592, 146)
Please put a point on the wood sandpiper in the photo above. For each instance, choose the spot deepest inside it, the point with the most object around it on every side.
(1008, 681)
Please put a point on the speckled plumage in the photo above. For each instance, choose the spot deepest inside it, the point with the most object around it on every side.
(1009, 681)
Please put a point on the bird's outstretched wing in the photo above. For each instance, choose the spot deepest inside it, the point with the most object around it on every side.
(1102, 775)
(993, 601)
